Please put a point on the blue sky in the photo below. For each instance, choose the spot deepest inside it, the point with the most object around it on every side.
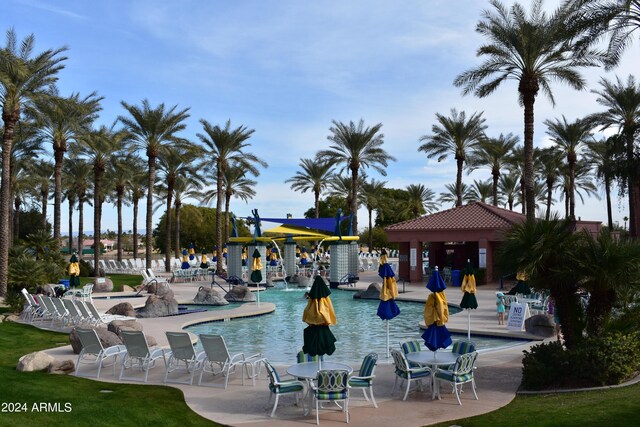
(286, 69)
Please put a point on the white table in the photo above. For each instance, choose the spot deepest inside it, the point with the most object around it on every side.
(309, 371)
(432, 359)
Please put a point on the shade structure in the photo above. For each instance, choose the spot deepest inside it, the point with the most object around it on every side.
(74, 271)
(436, 314)
(469, 301)
(319, 314)
(387, 308)
(256, 271)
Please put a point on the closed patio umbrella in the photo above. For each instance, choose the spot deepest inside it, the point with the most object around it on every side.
(436, 314)
(74, 271)
(319, 314)
(469, 301)
(256, 271)
(387, 309)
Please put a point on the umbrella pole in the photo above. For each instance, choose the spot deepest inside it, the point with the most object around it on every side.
(469, 324)
(387, 325)
(258, 292)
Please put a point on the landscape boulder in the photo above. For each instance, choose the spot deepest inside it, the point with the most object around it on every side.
(116, 326)
(11, 318)
(240, 293)
(122, 309)
(102, 284)
(372, 292)
(159, 306)
(107, 338)
(36, 361)
(209, 296)
(540, 325)
(64, 367)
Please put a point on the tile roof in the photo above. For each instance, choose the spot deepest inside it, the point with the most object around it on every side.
(475, 215)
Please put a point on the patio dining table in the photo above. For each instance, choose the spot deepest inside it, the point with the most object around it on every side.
(309, 371)
(432, 359)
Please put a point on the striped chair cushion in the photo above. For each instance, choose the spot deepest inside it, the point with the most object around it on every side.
(448, 376)
(414, 374)
(356, 382)
(302, 357)
(286, 387)
(332, 396)
(463, 347)
(367, 366)
(411, 347)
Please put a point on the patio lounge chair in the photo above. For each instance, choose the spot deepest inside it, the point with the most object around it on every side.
(332, 386)
(94, 353)
(31, 309)
(182, 351)
(365, 376)
(406, 373)
(278, 386)
(104, 318)
(138, 354)
(219, 361)
(461, 373)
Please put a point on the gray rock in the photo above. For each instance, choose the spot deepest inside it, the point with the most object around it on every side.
(36, 361)
(541, 325)
(372, 292)
(158, 306)
(162, 290)
(65, 367)
(12, 318)
(240, 293)
(152, 287)
(129, 325)
(209, 296)
(107, 338)
(102, 284)
(48, 289)
(122, 309)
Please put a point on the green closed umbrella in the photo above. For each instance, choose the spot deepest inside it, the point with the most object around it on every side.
(256, 271)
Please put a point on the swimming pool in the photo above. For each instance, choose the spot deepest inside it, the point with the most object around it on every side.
(359, 331)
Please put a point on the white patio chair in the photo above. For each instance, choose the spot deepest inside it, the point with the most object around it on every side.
(405, 373)
(331, 386)
(138, 354)
(104, 318)
(31, 308)
(461, 373)
(94, 353)
(219, 361)
(74, 315)
(182, 351)
(365, 376)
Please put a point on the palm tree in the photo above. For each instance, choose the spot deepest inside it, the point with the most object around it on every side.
(509, 186)
(583, 183)
(481, 191)
(136, 190)
(61, 120)
(24, 77)
(79, 174)
(622, 112)
(355, 147)
(184, 187)
(454, 135)
(493, 153)
(313, 176)
(373, 198)
(533, 50)
(99, 147)
(569, 138)
(420, 201)
(600, 156)
(42, 171)
(225, 147)
(451, 195)
(122, 169)
(550, 164)
(21, 184)
(341, 186)
(237, 185)
(151, 129)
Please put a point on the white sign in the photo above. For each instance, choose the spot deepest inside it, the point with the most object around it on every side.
(100, 280)
(413, 257)
(482, 258)
(517, 315)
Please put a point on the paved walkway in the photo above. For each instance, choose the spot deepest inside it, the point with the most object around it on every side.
(498, 375)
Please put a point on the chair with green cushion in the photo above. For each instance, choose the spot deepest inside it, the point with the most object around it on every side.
(461, 373)
(365, 376)
(411, 347)
(302, 357)
(407, 373)
(463, 347)
(278, 386)
(331, 386)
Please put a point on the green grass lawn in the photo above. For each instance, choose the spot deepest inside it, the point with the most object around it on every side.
(614, 407)
(118, 280)
(89, 404)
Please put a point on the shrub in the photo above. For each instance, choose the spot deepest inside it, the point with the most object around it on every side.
(85, 268)
(544, 365)
(24, 272)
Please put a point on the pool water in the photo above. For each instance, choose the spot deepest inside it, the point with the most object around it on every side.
(279, 335)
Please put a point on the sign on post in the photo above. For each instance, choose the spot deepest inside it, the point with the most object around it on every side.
(518, 313)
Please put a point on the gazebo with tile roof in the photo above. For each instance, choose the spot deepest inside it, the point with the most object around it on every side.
(473, 231)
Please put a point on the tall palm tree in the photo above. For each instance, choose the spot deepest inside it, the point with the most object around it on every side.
(122, 169)
(236, 184)
(79, 175)
(21, 184)
(621, 101)
(550, 165)
(534, 50)
(599, 154)
(99, 147)
(509, 186)
(421, 201)
(185, 187)
(136, 190)
(454, 135)
(24, 77)
(583, 183)
(150, 129)
(570, 138)
(61, 120)
(493, 153)
(451, 195)
(313, 176)
(42, 171)
(481, 191)
(356, 147)
(226, 146)
(372, 195)
(341, 186)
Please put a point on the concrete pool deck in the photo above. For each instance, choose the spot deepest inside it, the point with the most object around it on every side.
(497, 377)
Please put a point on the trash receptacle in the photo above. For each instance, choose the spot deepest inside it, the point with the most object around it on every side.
(65, 283)
(456, 277)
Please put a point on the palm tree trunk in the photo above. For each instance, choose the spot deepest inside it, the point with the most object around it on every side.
(459, 163)
(16, 217)
(97, 206)
(227, 204)
(149, 222)
(167, 229)
(566, 204)
(71, 203)
(9, 120)
(635, 219)
(496, 177)
(44, 198)
(572, 189)
(607, 192)
(354, 199)
(220, 175)
(177, 230)
(57, 193)
(80, 226)
(549, 198)
(119, 209)
(633, 212)
(135, 227)
(370, 229)
(529, 192)
(523, 193)
(316, 202)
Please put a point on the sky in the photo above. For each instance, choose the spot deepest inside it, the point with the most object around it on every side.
(287, 69)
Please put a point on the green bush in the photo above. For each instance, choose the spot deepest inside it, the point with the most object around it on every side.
(24, 272)
(544, 366)
(85, 268)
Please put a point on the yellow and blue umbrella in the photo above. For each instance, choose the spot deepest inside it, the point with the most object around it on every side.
(387, 309)
(469, 301)
(204, 262)
(436, 314)
(256, 271)
(185, 260)
(319, 314)
(192, 252)
(74, 271)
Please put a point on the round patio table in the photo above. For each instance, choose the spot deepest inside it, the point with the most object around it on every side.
(432, 359)
(309, 371)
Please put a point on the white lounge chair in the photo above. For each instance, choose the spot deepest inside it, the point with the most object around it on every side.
(219, 361)
(94, 353)
(104, 318)
(182, 351)
(138, 354)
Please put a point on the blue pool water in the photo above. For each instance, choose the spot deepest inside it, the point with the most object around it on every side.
(359, 331)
